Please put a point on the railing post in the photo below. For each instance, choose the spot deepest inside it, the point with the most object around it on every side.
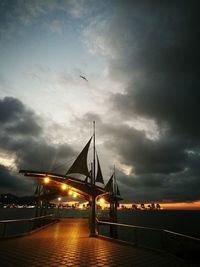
(30, 224)
(93, 217)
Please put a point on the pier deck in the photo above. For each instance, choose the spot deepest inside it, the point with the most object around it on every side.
(67, 243)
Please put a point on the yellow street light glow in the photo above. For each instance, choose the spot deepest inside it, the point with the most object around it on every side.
(46, 180)
(101, 201)
(70, 192)
(74, 194)
(64, 186)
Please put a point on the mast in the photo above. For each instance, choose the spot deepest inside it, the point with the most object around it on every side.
(113, 206)
(114, 182)
(94, 161)
(93, 197)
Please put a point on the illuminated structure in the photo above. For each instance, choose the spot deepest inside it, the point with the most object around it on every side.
(54, 184)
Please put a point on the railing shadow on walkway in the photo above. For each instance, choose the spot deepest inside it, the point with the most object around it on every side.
(20, 227)
(183, 246)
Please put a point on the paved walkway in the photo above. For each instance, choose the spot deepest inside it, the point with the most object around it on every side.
(67, 244)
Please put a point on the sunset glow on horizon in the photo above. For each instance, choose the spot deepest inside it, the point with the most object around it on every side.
(182, 205)
(67, 63)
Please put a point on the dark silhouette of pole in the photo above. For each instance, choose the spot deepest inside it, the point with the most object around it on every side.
(113, 207)
(93, 198)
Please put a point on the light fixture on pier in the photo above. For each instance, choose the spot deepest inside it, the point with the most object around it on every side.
(63, 186)
(70, 193)
(74, 194)
(46, 180)
(101, 201)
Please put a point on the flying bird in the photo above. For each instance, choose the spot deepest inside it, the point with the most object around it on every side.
(84, 78)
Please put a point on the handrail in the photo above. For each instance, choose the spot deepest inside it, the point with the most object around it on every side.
(146, 228)
(127, 225)
(38, 222)
(26, 219)
(182, 235)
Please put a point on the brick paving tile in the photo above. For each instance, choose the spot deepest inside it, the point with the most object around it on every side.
(67, 243)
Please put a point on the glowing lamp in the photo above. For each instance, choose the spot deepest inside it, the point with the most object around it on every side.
(70, 192)
(59, 198)
(46, 180)
(64, 186)
(74, 194)
(101, 201)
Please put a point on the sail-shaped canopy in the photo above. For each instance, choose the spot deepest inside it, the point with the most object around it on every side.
(109, 185)
(99, 177)
(112, 186)
(80, 164)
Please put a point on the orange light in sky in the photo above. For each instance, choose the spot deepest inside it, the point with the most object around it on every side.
(181, 205)
(169, 205)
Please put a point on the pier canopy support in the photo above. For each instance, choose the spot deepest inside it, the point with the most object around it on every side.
(54, 187)
(88, 188)
(93, 231)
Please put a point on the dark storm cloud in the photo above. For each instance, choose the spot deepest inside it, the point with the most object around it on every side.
(161, 170)
(41, 155)
(163, 155)
(13, 183)
(16, 119)
(161, 56)
(146, 156)
(153, 52)
(182, 186)
(21, 136)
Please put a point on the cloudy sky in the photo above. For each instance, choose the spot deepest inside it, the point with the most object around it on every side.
(141, 59)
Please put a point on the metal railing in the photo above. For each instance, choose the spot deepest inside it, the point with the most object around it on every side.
(181, 245)
(17, 227)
